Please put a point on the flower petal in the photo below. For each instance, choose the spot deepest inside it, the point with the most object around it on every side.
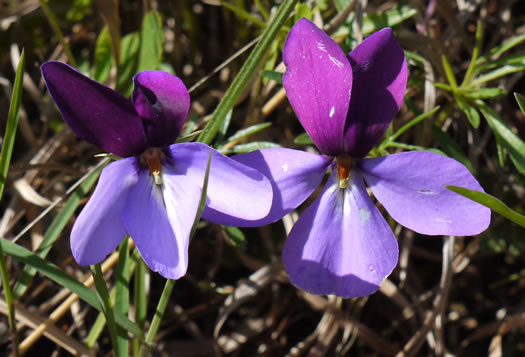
(380, 80)
(318, 82)
(96, 113)
(341, 244)
(411, 187)
(294, 176)
(159, 219)
(99, 227)
(234, 190)
(162, 101)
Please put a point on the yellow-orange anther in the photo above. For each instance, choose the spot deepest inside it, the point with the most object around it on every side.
(153, 157)
(344, 167)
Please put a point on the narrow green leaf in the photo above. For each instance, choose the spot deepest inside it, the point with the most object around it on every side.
(511, 60)
(224, 127)
(129, 49)
(497, 73)
(512, 143)
(443, 86)
(413, 122)
(274, 76)
(475, 53)
(140, 298)
(236, 237)
(248, 131)
(189, 137)
(121, 301)
(303, 139)
(449, 73)
(55, 229)
(481, 93)
(521, 101)
(471, 112)
(497, 51)
(249, 147)
(247, 71)
(491, 202)
(302, 10)
(57, 275)
(103, 56)
(450, 147)
(151, 40)
(373, 23)
(243, 14)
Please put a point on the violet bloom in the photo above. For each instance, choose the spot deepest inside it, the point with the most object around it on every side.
(341, 244)
(154, 192)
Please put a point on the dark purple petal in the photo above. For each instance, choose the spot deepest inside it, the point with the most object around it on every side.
(99, 228)
(341, 244)
(234, 190)
(411, 187)
(162, 101)
(318, 82)
(96, 113)
(159, 219)
(380, 80)
(294, 176)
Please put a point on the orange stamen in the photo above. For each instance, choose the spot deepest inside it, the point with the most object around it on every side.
(344, 166)
(153, 157)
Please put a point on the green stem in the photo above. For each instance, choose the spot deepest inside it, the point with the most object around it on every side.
(9, 301)
(141, 301)
(54, 25)
(103, 296)
(246, 72)
(159, 313)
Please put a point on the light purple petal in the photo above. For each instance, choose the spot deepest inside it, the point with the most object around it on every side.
(162, 101)
(99, 227)
(411, 187)
(96, 113)
(234, 190)
(294, 176)
(341, 244)
(318, 82)
(159, 219)
(380, 80)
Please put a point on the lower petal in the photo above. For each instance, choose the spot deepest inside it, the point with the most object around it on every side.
(235, 191)
(159, 219)
(294, 176)
(341, 244)
(99, 227)
(411, 187)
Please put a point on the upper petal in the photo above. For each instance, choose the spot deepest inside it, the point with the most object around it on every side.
(159, 219)
(380, 80)
(294, 176)
(96, 113)
(411, 186)
(162, 101)
(318, 82)
(234, 190)
(341, 244)
(99, 227)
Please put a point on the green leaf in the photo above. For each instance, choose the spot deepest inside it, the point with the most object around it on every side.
(248, 131)
(249, 147)
(274, 76)
(497, 73)
(475, 53)
(470, 111)
(481, 93)
(497, 51)
(373, 23)
(512, 143)
(243, 14)
(491, 202)
(449, 73)
(413, 122)
(12, 124)
(236, 237)
(103, 57)
(302, 10)
(57, 275)
(129, 49)
(55, 229)
(121, 302)
(521, 102)
(303, 139)
(151, 40)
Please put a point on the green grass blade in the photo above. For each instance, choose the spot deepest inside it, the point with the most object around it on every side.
(122, 293)
(491, 202)
(247, 71)
(475, 54)
(57, 275)
(449, 73)
(521, 102)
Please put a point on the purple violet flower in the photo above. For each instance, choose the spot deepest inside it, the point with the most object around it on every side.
(154, 192)
(341, 244)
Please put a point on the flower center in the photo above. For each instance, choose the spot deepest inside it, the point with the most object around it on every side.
(152, 158)
(344, 166)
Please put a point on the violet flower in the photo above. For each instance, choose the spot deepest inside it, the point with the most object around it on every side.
(341, 244)
(154, 192)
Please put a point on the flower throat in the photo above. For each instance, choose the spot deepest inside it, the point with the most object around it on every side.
(152, 157)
